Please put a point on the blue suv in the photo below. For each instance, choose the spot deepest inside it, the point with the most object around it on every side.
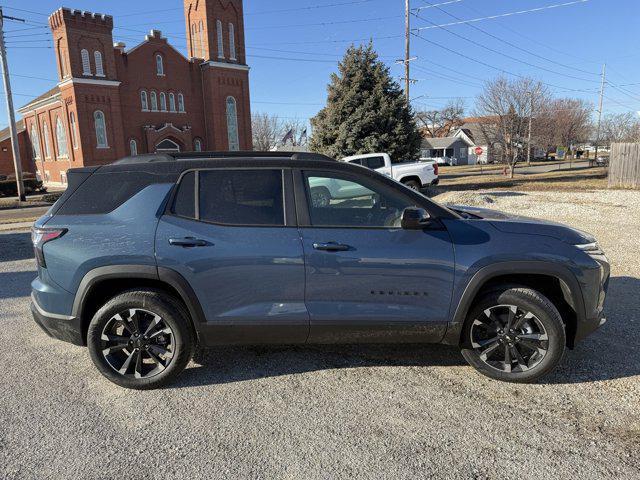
(149, 258)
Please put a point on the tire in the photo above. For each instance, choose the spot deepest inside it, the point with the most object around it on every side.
(538, 337)
(165, 350)
(412, 184)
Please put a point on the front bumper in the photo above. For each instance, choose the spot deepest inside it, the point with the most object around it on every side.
(61, 327)
(595, 285)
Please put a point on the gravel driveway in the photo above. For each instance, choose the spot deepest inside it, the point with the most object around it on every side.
(334, 412)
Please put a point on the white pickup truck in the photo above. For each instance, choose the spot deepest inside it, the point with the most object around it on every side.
(414, 175)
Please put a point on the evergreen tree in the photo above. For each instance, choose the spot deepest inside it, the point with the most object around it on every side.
(366, 111)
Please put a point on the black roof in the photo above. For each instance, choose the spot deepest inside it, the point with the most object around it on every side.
(199, 156)
(170, 164)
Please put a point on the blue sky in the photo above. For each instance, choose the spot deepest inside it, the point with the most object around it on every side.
(294, 45)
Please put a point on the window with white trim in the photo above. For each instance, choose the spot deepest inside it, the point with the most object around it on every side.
(197, 145)
(86, 64)
(144, 101)
(163, 101)
(97, 56)
(47, 145)
(61, 139)
(232, 42)
(35, 142)
(101, 129)
(232, 124)
(159, 65)
(201, 38)
(154, 101)
(72, 126)
(194, 41)
(172, 102)
(220, 39)
(180, 103)
(133, 147)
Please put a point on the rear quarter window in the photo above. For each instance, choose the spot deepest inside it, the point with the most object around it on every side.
(103, 193)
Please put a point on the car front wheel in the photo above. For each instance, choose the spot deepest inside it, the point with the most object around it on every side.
(140, 339)
(515, 334)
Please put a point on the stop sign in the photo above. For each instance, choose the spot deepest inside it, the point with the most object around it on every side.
(479, 151)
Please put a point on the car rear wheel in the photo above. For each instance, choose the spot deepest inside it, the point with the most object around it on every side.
(413, 184)
(514, 334)
(140, 339)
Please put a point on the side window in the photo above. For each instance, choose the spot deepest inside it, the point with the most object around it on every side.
(373, 162)
(241, 197)
(335, 201)
(184, 204)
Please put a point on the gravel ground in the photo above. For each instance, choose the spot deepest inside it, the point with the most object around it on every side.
(335, 412)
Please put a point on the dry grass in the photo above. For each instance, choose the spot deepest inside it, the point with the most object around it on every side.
(589, 179)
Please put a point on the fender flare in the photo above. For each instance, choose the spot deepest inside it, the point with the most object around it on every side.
(568, 282)
(148, 272)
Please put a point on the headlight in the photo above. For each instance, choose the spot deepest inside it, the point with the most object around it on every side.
(592, 249)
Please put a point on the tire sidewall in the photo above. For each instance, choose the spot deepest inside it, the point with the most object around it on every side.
(152, 302)
(546, 313)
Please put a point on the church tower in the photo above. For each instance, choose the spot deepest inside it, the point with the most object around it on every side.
(215, 36)
(215, 30)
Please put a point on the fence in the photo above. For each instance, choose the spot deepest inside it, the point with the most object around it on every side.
(624, 165)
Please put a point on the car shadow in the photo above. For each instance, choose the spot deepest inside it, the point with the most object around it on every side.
(609, 353)
(236, 364)
(15, 246)
(16, 284)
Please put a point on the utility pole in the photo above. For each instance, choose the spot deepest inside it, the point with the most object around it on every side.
(530, 124)
(407, 50)
(604, 74)
(15, 146)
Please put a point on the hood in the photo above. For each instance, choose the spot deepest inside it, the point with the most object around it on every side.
(509, 223)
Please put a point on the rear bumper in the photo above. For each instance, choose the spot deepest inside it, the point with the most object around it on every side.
(61, 327)
(435, 181)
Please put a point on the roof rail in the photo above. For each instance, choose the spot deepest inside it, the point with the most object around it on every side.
(169, 157)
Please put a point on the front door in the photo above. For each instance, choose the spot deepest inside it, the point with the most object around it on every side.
(227, 233)
(368, 280)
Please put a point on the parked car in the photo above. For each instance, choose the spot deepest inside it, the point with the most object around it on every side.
(602, 161)
(146, 259)
(415, 175)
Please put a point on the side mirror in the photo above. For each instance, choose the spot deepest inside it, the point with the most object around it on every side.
(414, 218)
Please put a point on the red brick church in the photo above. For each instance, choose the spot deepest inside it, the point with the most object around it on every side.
(111, 101)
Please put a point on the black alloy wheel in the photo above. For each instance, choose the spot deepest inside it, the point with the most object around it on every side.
(137, 343)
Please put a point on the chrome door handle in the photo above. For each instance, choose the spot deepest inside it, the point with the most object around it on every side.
(188, 242)
(331, 247)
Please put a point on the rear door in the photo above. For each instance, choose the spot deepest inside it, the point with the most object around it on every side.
(231, 234)
(367, 279)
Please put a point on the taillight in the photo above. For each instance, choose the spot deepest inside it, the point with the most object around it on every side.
(40, 236)
(435, 168)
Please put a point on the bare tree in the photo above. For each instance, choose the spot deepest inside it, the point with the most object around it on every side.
(621, 127)
(571, 119)
(267, 131)
(440, 123)
(505, 107)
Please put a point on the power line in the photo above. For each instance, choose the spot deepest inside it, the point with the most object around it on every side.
(492, 66)
(491, 17)
(524, 62)
(436, 5)
(506, 42)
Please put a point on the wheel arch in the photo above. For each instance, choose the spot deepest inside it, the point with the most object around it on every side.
(555, 281)
(408, 178)
(102, 283)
